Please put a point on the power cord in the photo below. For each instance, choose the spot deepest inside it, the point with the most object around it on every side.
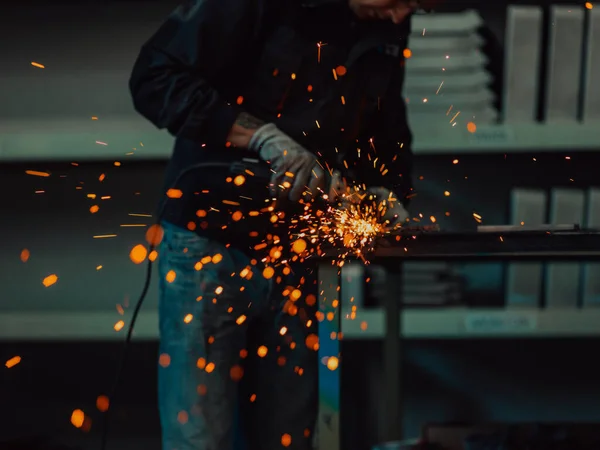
(244, 166)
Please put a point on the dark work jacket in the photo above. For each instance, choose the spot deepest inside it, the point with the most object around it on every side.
(277, 60)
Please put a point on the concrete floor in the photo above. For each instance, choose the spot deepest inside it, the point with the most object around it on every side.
(451, 381)
(132, 428)
(39, 395)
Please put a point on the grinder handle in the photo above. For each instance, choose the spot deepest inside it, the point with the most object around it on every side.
(247, 166)
(262, 171)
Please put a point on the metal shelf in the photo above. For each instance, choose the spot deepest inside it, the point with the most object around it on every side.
(465, 323)
(75, 326)
(83, 139)
(504, 138)
(132, 138)
(447, 323)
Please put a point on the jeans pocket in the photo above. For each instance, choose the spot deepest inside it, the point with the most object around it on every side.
(201, 279)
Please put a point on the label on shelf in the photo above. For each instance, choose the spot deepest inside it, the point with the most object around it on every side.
(506, 322)
(492, 135)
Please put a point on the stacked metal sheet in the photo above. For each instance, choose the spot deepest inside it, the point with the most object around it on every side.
(446, 78)
(556, 284)
(423, 284)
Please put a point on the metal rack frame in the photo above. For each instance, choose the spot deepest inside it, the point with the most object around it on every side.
(495, 245)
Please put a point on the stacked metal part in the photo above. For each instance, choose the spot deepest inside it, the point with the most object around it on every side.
(446, 78)
(556, 284)
(556, 82)
(423, 284)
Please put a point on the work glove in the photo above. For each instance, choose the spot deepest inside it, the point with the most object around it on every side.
(389, 206)
(294, 168)
(338, 188)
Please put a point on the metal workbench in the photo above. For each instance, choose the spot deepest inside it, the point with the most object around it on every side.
(487, 244)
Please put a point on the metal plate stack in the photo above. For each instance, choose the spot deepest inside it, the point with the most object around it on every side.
(424, 284)
(446, 78)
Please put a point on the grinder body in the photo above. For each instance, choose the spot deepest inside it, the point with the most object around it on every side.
(261, 172)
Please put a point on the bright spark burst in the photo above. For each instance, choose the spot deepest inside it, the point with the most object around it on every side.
(350, 228)
(355, 230)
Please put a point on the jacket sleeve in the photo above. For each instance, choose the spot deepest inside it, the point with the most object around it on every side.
(430, 5)
(394, 146)
(173, 79)
(389, 159)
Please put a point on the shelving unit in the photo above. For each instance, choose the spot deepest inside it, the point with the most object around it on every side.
(429, 323)
(135, 140)
(392, 323)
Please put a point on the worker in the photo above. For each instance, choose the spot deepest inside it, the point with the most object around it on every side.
(310, 89)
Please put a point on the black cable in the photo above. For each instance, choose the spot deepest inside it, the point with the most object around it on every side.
(259, 170)
(138, 306)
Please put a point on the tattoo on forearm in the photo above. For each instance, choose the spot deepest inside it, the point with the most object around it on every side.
(249, 122)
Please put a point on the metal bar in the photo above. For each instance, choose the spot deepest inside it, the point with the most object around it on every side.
(526, 245)
(508, 256)
(392, 354)
(328, 421)
(506, 228)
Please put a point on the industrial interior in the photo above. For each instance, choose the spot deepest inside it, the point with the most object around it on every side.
(467, 346)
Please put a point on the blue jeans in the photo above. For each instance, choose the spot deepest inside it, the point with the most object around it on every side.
(215, 327)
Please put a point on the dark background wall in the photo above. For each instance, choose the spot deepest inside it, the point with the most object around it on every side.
(550, 380)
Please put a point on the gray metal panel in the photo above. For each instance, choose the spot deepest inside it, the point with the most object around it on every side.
(522, 63)
(562, 279)
(565, 53)
(591, 84)
(352, 286)
(524, 280)
(566, 206)
(591, 271)
(446, 24)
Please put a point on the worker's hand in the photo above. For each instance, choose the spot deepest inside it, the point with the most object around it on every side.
(392, 211)
(295, 169)
(338, 188)
(395, 10)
